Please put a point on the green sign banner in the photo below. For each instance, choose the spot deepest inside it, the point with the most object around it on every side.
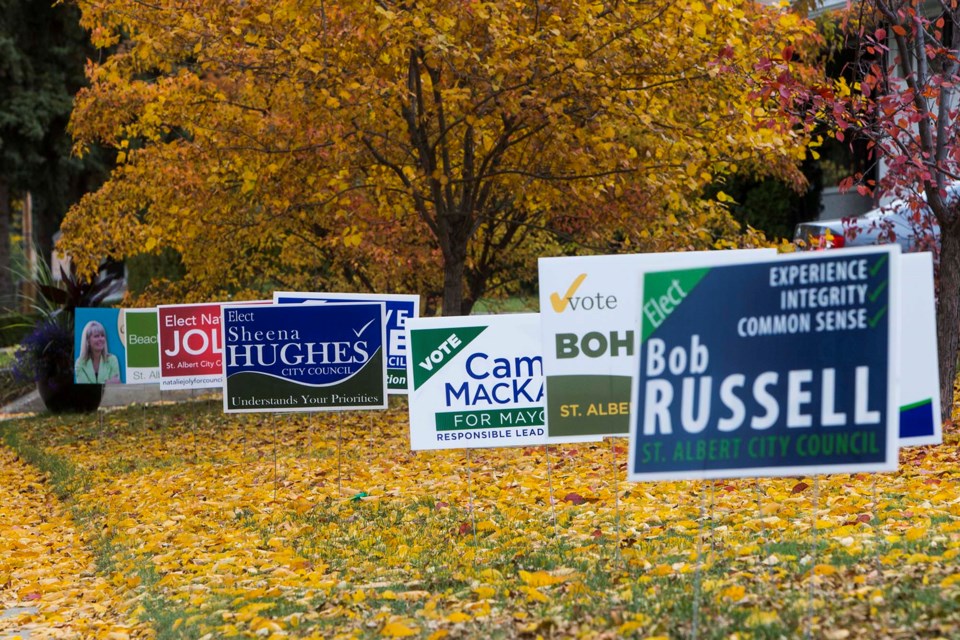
(143, 346)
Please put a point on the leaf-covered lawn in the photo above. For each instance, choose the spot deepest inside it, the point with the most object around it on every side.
(205, 525)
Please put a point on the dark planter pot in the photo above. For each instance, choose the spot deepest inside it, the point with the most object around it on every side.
(60, 394)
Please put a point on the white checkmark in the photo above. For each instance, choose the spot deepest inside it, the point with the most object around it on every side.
(363, 329)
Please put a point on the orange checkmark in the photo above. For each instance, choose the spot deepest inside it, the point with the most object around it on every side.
(558, 303)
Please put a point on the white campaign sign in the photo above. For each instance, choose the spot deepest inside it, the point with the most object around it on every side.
(919, 373)
(477, 382)
(589, 309)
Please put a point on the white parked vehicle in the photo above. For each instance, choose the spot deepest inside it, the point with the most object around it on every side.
(914, 229)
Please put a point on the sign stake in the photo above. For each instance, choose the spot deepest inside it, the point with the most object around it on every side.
(694, 628)
(713, 521)
(473, 515)
(274, 458)
(876, 529)
(243, 440)
(340, 454)
(616, 500)
(763, 531)
(163, 412)
(813, 561)
(553, 503)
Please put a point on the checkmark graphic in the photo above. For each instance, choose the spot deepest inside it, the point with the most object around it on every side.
(876, 317)
(876, 294)
(558, 303)
(362, 329)
(876, 268)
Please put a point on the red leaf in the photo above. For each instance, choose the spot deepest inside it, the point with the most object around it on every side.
(864, 517)
(574, 498)
(799, 487)
(900, 31)
(596, 533)
(787, 53)
(32, 596)
(465, 528)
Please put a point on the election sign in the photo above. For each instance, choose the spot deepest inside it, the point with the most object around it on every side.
(191, 346)
(477, 382)
(400, 307)
(589, 308)
(775, 368)
(304, 357)
(143, 345)
(919, 369)
(98, 346)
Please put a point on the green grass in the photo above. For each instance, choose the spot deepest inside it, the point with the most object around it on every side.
(516, 304)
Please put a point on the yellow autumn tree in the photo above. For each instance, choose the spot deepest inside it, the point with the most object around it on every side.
(436, 146)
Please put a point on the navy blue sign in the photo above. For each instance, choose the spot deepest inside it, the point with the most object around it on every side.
(780, 367)
(304, 357)
(399, 307)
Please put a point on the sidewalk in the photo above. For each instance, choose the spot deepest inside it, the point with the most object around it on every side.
(114, 395)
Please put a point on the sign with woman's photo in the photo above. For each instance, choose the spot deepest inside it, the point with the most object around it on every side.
(100, 357)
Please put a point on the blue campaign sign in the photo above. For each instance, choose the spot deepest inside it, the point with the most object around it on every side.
(304, 357)
(399, 308)
(773, 368)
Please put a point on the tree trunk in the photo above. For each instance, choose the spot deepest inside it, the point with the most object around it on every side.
(454, 235)
(453, 266)
(948, 315)
(8, 298)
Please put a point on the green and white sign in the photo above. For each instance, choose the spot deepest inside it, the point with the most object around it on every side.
(142, 334)
(477, 382)
(589, 309)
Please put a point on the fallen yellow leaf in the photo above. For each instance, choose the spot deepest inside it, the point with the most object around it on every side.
(398, 630)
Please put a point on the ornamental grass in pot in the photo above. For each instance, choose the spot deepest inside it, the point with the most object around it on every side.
(45, 355)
